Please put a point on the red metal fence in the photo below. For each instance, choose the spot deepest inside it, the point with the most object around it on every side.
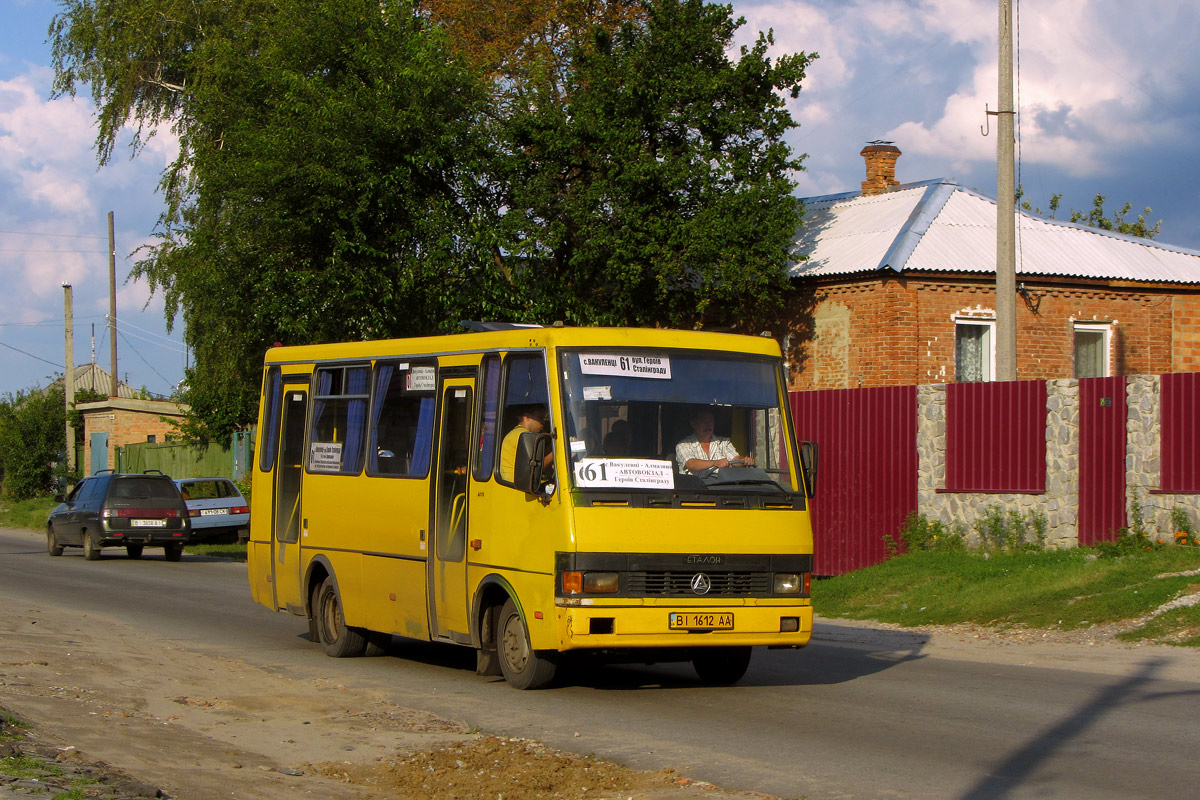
(867, 474)
(1102, 415)
(1181, 432)
(996, 437)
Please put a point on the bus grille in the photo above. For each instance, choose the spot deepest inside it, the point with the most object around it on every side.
(680, 583)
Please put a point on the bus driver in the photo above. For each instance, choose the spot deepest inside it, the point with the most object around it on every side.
(702, 450)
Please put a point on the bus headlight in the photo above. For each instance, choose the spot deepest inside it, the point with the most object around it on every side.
(600, 582)
(590, 582)
(787, 583)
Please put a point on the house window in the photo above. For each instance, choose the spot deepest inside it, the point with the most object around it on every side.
(974, 353)
(1092, 344)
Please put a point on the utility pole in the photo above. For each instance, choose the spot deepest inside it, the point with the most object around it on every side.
(1006, 212)
(112, 301)
(69, 373)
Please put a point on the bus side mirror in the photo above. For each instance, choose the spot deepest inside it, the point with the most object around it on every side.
(532, 452)
(808, 463)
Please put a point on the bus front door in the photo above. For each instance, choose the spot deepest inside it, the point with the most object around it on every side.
(448, 567)
(289, 479)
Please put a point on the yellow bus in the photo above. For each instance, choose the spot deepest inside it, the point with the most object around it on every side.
(536, 494)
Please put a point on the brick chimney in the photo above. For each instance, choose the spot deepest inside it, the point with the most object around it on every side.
(881, 167)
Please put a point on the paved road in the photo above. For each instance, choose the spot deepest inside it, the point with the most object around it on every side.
(861, 713)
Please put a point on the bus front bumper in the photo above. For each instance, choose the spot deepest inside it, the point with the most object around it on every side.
(680, 625)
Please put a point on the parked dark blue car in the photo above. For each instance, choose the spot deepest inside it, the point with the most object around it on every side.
(133, 511)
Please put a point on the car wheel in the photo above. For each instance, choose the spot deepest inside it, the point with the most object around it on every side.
(173, 551)
(52, 544)
(91, 547)
(134, 550)
(523, 667)
(721, 666)
(338, 639)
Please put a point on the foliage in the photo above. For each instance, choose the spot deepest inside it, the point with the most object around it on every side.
(649, 184)
(919, 533)
(342, 175)
(1002, 532)
(1097, 217)
(1184, 529)
(1065, 589)
(30, 514)
(32, 436)
(75, 417)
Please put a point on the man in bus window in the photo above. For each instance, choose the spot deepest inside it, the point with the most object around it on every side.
(702, 450)
(532, 419)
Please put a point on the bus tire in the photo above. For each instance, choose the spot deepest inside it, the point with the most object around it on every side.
(52, 545)
(721, 666)
(523, 667)
(338, 639)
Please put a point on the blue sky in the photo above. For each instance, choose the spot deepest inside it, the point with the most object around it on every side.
(1106, 97)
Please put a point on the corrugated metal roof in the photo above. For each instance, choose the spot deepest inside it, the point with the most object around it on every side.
(938, 226)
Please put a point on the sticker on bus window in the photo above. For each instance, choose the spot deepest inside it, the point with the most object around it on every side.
(597, 393)
(626, 366)
(421, 379)
(624, 473)
(325, 457)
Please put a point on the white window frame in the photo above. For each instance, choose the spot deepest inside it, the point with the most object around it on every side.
(989, 342)
(1105, 328)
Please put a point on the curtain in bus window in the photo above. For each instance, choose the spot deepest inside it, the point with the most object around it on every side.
(383, 377)
(491, 406)
(356, 420)
(424, 443)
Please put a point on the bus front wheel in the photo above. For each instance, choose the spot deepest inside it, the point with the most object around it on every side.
(338, 639)
(522, 666)
(721, 665)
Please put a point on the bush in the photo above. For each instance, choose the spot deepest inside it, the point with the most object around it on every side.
(920, 533)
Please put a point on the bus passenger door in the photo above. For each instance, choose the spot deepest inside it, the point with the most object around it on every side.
(448, 579)
(289, 479)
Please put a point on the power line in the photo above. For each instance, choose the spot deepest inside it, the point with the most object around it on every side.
(143, 358)
(63, 235)
(31, 355)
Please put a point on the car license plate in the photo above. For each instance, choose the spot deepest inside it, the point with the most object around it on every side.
(212, 512)
(679, 620)
(148, 523)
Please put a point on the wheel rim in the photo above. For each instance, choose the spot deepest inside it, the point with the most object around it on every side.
(330, 618)
(513, 646)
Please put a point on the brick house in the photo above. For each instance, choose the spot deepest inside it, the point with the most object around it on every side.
(118, 421)
(898, 288)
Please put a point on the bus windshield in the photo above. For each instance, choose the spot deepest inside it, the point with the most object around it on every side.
(675, 420)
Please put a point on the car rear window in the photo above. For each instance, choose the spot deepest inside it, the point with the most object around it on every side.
(143, 489)
(207, 490)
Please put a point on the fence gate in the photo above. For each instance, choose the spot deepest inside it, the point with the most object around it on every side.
(1102, 414)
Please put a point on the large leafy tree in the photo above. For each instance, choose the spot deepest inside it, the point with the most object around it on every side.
(32, 435)
(648, 181)
(348, 170)
(323, 186)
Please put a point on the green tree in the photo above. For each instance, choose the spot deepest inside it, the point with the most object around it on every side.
(1097, 217)
(323, 185)
(648, 181)
(32, 435)
(345, 172)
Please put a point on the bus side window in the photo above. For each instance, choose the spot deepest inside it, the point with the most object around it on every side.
(339, 422)
(401, 426)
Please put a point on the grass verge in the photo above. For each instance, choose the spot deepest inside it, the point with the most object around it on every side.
(29, 514)
(1060, 589)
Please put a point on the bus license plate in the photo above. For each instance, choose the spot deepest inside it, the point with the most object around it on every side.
(148, 523)
(679, 620)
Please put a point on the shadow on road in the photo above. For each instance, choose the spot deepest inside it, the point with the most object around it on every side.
(1013, 772)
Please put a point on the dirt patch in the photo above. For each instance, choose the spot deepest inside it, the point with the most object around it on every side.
(137, 711)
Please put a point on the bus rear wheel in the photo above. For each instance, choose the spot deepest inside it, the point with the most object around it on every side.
(721, 666)
(338, 639)
(523, 667)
